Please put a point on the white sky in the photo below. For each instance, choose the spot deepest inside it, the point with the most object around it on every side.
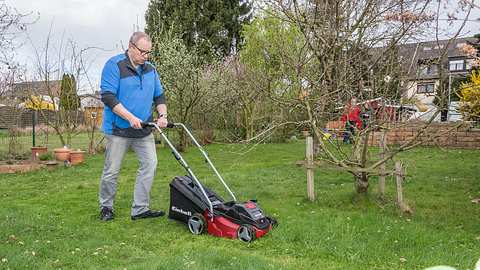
(102, 23)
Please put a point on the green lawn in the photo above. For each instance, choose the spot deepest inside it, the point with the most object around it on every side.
(49, 219)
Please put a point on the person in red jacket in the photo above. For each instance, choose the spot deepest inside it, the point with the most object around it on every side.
(352, 120)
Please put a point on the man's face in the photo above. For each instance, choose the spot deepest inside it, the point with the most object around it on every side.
(140, 51)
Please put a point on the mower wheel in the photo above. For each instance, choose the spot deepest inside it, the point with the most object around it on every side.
(197, 224)
(246, 233)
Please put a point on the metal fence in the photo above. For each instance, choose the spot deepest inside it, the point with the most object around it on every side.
(20, 129)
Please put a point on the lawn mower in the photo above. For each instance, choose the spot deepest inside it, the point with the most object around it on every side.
(203, 210)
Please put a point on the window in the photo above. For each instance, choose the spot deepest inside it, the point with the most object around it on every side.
(425, 88)
(431, 69)
(469, 64)
(455, 65)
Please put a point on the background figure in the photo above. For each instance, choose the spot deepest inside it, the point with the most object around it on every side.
(351, 117)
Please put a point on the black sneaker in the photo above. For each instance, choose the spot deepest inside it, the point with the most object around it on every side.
(106, 214)
(148, 214)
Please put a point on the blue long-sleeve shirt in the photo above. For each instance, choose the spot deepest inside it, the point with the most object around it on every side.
(135, 89)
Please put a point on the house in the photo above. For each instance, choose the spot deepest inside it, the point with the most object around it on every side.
(37, 88)
(33, 95)
(422, 64)
(92, 107)
(16, 98)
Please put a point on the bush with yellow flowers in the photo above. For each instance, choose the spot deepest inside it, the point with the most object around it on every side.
(470, 97)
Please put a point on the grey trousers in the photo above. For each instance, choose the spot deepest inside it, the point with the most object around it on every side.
(116, 147)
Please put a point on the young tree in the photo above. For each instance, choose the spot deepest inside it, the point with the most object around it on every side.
(70, 65)
(12, 25)
(275, 61)
(179, 71)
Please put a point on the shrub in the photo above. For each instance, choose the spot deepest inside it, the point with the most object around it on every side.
(470, 97)
(46, 156)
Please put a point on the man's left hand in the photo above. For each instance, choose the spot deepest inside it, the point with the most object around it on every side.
(162, 122)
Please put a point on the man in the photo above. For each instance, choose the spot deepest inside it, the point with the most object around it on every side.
(129, 87)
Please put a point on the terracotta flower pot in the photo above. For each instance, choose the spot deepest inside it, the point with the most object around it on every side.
(62, 154)
(77, 157)
(37, 151)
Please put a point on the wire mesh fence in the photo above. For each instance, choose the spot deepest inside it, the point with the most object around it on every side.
(17, 144)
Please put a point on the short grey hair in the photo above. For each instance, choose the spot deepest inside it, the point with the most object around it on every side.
(136, 36)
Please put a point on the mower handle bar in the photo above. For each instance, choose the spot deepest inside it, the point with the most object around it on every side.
(184, 163)
(152, 124)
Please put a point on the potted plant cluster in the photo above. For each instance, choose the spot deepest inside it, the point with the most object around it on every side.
(65, 154)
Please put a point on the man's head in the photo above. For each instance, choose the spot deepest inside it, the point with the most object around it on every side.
(353, 101)
(139, 48)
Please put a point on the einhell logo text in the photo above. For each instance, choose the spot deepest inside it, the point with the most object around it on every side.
(181, 211)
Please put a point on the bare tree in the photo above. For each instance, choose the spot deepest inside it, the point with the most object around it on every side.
(52, 64)
(12, 26)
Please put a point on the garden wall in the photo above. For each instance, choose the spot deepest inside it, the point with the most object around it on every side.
(453, 137)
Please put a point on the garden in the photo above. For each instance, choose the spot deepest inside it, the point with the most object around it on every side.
(354, 124)
(50, 217)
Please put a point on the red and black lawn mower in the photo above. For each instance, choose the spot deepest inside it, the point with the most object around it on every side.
(204, 211)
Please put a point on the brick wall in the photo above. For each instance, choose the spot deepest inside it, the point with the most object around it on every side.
(452, 137)
(438, 134)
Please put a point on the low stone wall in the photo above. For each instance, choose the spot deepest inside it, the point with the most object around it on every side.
(437, 134)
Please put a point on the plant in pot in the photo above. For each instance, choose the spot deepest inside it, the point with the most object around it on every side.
(77, 157)
(62, 154)
(38, 151)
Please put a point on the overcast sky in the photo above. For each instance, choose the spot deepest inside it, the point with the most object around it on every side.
(102, 23)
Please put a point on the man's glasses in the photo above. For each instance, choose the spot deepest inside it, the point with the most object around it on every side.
(143, 52)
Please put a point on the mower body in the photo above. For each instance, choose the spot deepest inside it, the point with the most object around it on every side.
(244, 221)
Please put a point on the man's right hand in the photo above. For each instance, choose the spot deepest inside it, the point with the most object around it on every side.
(125, 114)
(135, 122)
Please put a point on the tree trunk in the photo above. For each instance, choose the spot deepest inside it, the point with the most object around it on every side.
(361, 183)
(182, 141)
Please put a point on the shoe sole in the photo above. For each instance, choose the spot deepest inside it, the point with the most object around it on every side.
(137, 218)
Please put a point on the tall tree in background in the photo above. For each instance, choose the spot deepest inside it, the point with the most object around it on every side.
(69, 99)
(211, 27)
